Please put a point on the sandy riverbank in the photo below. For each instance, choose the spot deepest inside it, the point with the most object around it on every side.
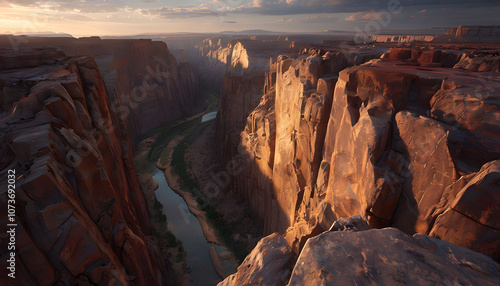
(174, 181)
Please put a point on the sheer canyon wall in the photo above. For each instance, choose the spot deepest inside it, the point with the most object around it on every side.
(147, 86)
(67, 132)
(408, 140)
(405, 139)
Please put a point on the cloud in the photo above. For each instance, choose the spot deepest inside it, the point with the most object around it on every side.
(87, 6)
(422, 11)
(365, 16)
(230, 22)
(261, 7)
(285, 20)
(166, 12)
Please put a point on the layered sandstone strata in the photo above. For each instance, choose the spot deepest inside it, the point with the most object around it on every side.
(405, 141)
(402, 38)
(474, 33)
(81, 217)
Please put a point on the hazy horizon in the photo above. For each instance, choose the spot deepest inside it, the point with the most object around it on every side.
(125, 18)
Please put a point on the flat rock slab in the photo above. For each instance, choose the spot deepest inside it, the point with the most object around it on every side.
(389, 257)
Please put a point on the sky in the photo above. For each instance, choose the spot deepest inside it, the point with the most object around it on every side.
(132, 17)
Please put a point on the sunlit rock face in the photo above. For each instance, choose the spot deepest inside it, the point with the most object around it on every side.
(351, 252)
(405, 141)
(389, 257)
(81, 216)
(285, 135)
(244, 82)
(269, 263)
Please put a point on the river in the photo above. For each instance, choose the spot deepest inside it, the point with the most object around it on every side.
(208, 116)
(186, 228)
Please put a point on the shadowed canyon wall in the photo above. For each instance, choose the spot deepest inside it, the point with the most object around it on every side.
(238, 70)
(68, 123)
(147, 86)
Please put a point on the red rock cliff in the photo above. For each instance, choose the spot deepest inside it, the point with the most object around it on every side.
(474, 33)
(243, 85)
(405, 141)
(81, 216)
(353, 253)
(147, 87)
(290, 122)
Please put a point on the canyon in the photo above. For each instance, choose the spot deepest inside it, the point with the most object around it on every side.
(333, 162)
(405, 138)
(81, 215)
(68, 126)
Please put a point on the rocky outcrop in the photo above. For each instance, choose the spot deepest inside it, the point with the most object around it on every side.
(402, 38)
(353, 253)
(473, 213)
(425, 57)
(389, 257)
(394, 165)
(147, 86)
(81, 217)
(403, 141)
(481, 62)
(269, 263)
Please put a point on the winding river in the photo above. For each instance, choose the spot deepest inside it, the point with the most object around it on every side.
(186, 228)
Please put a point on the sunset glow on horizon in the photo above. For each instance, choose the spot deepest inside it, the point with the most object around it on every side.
(113, 17)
